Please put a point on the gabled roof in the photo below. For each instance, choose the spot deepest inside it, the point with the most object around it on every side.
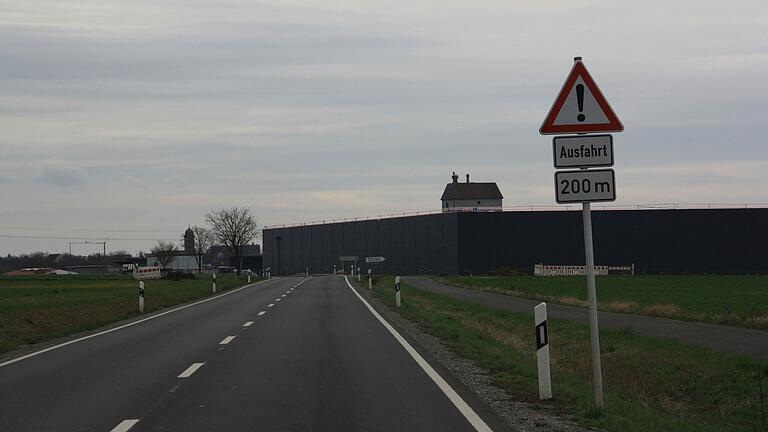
(454, 191)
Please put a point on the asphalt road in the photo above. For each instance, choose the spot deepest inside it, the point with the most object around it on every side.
(269, 357)
(719, 338)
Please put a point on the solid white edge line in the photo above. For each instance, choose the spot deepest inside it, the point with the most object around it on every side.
(454, 397)
(248, 324)
(227, 340)
(125, 425)
(261, 313)
(190, 370)
(45, 350)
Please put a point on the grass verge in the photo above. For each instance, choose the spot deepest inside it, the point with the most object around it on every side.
(650, 384)
(733, 300)
(38, 309)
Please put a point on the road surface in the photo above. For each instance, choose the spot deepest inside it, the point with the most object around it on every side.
(288, 354)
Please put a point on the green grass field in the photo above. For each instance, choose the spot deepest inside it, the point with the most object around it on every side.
(650, 384)
(37, 309)
(732, 300)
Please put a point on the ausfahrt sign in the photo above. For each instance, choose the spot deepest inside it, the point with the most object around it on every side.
(582, 151)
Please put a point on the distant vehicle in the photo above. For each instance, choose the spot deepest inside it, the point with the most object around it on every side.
(225, 269)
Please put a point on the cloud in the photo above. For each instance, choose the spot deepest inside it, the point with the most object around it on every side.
(326, 109)
(55, 172)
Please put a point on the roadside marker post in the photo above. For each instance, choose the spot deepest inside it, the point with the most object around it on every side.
(397, 291)
(306, 272)
(370, 280)
(249, 278)
(358, 274)
(580, 108)
(214, 283)
(542, 351)
(141, 296)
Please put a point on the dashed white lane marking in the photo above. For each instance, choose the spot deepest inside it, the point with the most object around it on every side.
(190, 370)
(36, 353)
(227, 340)
(261, 313)
(278, 299)
(282, 295)
(248, 324)
(270, 305)
(454, 397)
(125, 425)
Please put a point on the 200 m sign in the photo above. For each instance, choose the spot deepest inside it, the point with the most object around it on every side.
(585, 186)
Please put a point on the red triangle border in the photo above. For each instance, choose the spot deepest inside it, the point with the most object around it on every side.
(579, 70)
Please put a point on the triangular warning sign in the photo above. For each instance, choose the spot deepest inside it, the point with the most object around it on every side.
(580, 107)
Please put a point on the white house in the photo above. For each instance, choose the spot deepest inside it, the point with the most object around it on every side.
(472, 196)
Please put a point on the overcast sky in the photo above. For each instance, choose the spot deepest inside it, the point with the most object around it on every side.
(134, 118)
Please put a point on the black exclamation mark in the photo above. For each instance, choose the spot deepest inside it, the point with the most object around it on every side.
(580, 99)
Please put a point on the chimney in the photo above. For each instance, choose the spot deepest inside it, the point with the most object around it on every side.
(467, 178)
(455, 177)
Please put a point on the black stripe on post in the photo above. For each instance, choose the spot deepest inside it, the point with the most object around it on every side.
(541, 335)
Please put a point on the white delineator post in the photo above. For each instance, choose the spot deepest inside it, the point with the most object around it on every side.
(397, 291)
(358, 274)
(306, 272)
(594, 335)
(370, 280)
(213, 288)
(141, 296)
(542, 351)
(249, 278)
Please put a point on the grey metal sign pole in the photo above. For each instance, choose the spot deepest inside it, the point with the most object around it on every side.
(594, 335)
(580, 108)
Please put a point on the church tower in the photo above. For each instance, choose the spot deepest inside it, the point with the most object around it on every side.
(189, 241)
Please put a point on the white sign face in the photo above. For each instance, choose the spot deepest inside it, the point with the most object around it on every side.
(582, 151)
(375, 260)
(347, 258)
(585, 186)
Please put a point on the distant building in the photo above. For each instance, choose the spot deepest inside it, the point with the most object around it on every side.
(184, 260)
(220, 256)
(472, 196)
(189, 240)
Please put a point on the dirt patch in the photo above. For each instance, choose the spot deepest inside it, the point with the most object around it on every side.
(662, 310)
(621, 307)
(760, 321)
(504, 337)
(571, 301)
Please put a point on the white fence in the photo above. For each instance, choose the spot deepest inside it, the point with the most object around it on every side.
(561, 270)
(147, 273)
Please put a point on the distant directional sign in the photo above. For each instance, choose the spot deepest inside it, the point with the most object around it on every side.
(582, 151)
(584, 186)
(375, 260)
(580, 107)
(347, 258)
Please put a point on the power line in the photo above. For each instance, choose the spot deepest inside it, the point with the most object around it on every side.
(82, 238)
(88, 229)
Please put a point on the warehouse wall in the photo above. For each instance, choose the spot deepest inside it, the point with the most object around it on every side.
(412, 245)
(656, 241)
(720, 241)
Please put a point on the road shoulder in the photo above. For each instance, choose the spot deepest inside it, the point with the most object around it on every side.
(473, 383)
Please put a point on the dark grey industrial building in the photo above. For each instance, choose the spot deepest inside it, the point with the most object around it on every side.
(720, 241)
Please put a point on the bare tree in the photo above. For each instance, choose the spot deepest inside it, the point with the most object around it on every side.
(164, 251)
(234, 227)
(204, 239)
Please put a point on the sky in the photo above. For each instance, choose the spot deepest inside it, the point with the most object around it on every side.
(130, 120)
